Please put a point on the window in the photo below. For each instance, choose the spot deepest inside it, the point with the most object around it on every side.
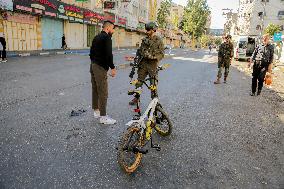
(242, 44)
(281, 13)
(258, 27)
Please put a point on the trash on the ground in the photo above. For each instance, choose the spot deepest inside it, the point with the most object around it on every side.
(77, 112)
(61, 94)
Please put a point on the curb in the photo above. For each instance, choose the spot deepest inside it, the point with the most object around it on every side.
(58, 52)
(46, 53)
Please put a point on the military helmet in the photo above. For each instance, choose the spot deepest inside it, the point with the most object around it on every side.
(151, 26)
(229, 36)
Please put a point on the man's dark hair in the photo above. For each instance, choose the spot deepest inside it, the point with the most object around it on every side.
(107, 23)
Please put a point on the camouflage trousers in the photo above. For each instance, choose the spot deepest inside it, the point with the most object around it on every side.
(147, 68)
(225, 66)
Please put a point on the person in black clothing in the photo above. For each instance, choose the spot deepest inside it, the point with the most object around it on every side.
(101, 60)
(3, 54)
(63, 42)
(262, 59)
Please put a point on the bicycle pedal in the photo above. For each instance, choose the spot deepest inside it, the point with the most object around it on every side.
(157, 147)
(140, 150)
(136, 117)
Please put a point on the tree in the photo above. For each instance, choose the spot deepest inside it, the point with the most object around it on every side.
(204, 40)
(272, 28)
(218, 41)
(163, 13)
(195, 18)
(175, 21)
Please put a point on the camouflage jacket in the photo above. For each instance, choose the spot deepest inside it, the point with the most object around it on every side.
(226, 52)
(151, 48)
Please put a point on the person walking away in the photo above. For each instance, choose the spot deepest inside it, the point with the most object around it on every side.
(63, 42)
(3, 51)
(210, 48)
(225, 55)
(262, 59)
(101, 60)
(152, 52)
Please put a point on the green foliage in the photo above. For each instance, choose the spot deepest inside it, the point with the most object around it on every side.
(175, 21)
(195, 17)
(205, 40)
(163, 13)
(218, 41)
(271, 29)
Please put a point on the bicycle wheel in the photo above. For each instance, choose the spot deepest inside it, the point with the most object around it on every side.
(163, 123)
(127, 158)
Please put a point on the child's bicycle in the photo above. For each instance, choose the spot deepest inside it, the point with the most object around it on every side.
(133, 143)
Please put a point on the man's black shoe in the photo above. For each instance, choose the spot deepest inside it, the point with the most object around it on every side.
(252, 94)
(258, 93)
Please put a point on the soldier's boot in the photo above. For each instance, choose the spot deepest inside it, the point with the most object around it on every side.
(225, 79)
(217, 81)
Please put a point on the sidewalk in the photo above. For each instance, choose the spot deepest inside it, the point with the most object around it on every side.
(277, 78)
(84, 51)
(278, 75)
(44, 52)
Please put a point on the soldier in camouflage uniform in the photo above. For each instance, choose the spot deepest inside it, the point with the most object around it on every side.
(151, 51)
(225, 54)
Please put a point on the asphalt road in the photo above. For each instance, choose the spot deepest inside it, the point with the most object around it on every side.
(222, 137)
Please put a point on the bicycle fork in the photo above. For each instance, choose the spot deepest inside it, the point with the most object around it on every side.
(148, 133)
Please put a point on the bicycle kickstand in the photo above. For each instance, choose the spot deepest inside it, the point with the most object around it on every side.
(155, 146)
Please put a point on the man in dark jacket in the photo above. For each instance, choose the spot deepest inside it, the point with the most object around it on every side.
(101, 60)
(3, 55)
(262, 59)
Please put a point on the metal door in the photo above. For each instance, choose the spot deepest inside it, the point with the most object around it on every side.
(52, 32)
(91, 33)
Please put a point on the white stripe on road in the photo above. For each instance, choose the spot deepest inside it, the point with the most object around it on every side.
(206, 58)
(25, 54)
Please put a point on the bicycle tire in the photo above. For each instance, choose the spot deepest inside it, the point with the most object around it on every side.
(133, 165)
(163, 117)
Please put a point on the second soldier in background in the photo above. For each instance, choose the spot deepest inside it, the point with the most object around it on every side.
(225, 55)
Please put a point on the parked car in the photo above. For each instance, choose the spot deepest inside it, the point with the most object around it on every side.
(244, 47)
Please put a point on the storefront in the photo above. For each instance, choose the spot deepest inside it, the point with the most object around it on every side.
(22, 32)
(52, 32)
(119, 34)
(94, 25)
(92, 31)
(131, 35)
(75, 35)
(58, 18)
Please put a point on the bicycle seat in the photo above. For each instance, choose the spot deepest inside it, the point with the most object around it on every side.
(136, 91)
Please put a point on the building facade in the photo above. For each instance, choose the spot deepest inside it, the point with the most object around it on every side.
(40, 25)
(255, 15)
